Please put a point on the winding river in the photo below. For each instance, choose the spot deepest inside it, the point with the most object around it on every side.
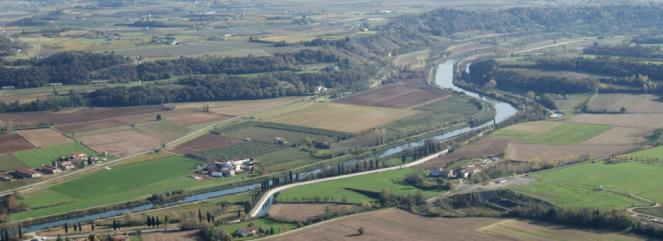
(443, 78)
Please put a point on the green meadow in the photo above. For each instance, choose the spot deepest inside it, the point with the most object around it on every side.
(45, 155)
(565, 133)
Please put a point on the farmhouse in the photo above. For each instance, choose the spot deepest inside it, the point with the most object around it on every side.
(245, 232)
(27, 173)
(48, 170)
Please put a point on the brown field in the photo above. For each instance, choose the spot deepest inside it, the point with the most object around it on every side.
(632, 103)
(9, 162)
(170, 236)
(395, 224)
(651, 121)
(341, 117)
(191, 117)
(88, 126)
(44, 137)
(483, 148)
(12, 143)
(621, 136)
(394, 96)
(240, 107)
(538, 152)
(121, 143)
(22, 98)
(135, 119)
(76, 115)
(535, 126)
(303, 211)
(206, 142)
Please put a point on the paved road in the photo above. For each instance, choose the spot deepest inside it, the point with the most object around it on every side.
(265, 197)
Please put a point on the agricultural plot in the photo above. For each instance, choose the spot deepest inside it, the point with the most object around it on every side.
(120, 184)
(629, 102)
(339, 190)
(396, 224)
(13, 142)
(122, 143)
(655, 153)
(191, 117)
(44, 137)
(565, 133)
(88, 126)
(546, 152)
(204, 143)
(440, 114)
(9, 162)
(76, 115)
(485, 147)
(413, 60)
(621, 136)
(242, 107)
(304, 211)
(171, 236)
(649, 121)
(341, 117)
(268, 135)
(245, 149)
(164, 130)
(599, 185)
(284, 159)
(45, 155)
(394, 96)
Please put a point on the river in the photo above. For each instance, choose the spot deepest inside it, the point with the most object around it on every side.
(443, 78)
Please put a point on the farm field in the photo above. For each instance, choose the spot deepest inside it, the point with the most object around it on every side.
(304, 211)
(76, 115)
(395, 96)
(485, 147)
(89, 126)
(13, 142)
(45, 155)
(204, 143)
(440, 114)
(268, 134)
(546, 152)
(551, 132)
(655, 153)
(241, 107)
(244, 149)
(577, 186)
(44, 137)
(191, 117)
(649, 121)
(621, 136)
(337, 190)
(120, 184)
(165, 130)
(9, 162)
(395, 224)
(413, 60)
(121, 143)
(341, 117)
(631, 103)
(170, 236)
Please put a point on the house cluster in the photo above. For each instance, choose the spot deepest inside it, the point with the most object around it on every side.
(228, 168)
(64, 163)
(464, 172)
(246, 232)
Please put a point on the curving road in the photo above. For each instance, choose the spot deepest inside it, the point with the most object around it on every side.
(265, 197)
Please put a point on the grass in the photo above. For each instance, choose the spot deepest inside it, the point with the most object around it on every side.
(377, 182)
(268, 135)
(655, 153)
(210, 205)
(565, 133)
(577, 186)
(658, 212)
(45, 155)
(523, 230)
(120, 184)
(164, 129)
(284, 159)
(439, 114)
(265, 224)
(8, 162)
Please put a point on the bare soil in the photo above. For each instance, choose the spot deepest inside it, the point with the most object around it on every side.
(121, 143)
(621, 136)
(75, 115)
(651, 121)
(191, 116)
(171, 236)
(304, 211)
(395, 96)
(12, 143)
(44, 137)
(204, 143)
(88, 126)
(394, 224)
(631, 103)
(538, 152)
(483, 148)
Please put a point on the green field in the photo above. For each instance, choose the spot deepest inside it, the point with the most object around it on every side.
(284, 159)
(578, 186)
(9, 162)
(268, 135)
(655, 153)
(164, 129)
(45, 155)
(564, 133)
(377, 182)
(120, 184)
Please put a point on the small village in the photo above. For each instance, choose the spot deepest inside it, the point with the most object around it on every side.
(69, 162)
